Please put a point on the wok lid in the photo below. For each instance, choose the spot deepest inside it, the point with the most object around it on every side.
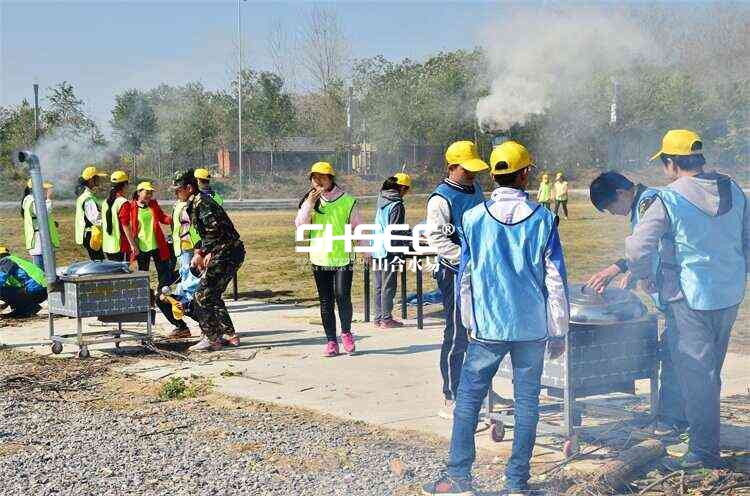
(612, 306)
(95, 268)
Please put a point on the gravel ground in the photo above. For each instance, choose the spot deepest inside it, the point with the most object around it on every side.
(73, 427)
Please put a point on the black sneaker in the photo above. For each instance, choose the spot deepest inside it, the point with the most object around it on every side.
(448, 486)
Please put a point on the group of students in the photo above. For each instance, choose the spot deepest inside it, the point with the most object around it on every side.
(196, 249)
(557, 191)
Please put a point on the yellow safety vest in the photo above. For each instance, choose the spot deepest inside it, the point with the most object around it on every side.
(30, 225)
(111, 242)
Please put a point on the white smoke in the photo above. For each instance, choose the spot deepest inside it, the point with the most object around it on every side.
(534, 54)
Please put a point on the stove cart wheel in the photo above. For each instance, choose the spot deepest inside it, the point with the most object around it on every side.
(571, 447)
(497, 430)
(57, 347)
(83, 352)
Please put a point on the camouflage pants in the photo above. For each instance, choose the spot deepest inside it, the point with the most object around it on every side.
(211, 313)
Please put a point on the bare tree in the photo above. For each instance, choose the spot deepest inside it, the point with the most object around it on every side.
(324, 50)
(283, 48)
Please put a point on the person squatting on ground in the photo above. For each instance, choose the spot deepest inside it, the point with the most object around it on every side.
(618, 195)
(560, 188)
(706, 215)
(88, 218)
(445, 207)
(146, 218)
(218, 255)
(117, 236)
(544, 194)
(390, 210)
(514, 298)
(23, 285)
(32, 238)
(327, 204)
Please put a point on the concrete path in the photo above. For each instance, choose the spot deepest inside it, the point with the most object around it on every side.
(392, 380)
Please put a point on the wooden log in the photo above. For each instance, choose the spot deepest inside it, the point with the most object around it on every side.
(614, 475)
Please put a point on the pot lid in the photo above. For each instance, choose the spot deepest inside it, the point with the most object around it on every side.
(91, 268)
(614, 305)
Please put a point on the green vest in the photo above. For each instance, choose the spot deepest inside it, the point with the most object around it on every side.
(192, 236)
(146, 238)
(335, 214)
(32, 270)
(30, 225)
(218, 198)
(543, 194)
(111, 242)
(81, 214)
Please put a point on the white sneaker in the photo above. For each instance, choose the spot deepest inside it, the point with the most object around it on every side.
(205, 345)
(447, 411)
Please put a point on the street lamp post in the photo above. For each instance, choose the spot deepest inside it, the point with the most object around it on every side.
(239, 92)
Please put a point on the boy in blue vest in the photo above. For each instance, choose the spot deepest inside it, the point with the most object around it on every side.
(22, 285)
(514, 298)
(618, 195)
(706, 216)
(445, 207)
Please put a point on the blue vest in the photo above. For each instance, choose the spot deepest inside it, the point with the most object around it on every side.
(459, 202)
(708, 250)
(382, 220)
(509, 299)
(635, 218)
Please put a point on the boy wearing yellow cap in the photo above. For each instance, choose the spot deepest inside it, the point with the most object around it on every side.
(543, 195)
(706, 216)
(513, 298)
(204, 183)
(88, 219)
(560, 189)
(456, 194)
(30, 227)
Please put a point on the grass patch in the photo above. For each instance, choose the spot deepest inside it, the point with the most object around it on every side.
(177, 388)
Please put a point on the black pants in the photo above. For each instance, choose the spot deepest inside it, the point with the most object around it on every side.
(334, 289)
(166, 309)
(115, 257)
(455, 335)
(564, 205)
(22, 304)
(163, 268)
(93, 254)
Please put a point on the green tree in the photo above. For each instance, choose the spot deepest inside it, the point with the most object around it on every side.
(133, 121)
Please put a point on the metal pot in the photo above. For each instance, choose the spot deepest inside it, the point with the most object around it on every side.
(612, 306)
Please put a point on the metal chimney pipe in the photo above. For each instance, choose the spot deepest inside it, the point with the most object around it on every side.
(40, 205)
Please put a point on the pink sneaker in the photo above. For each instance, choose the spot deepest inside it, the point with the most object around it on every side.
(390, 324)
(348, 341)
(332, 349)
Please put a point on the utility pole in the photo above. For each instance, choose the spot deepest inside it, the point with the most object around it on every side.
(239, 92)
(613, 148)
(36, 111)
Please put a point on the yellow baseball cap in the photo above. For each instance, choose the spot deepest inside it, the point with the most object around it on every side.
(464, 153)
(679, 142)
(3, 250)
(322, 168)
(145, 185)
(202, 174)
(514, 155)
(119, 177)
(46, 184)
(90, 172)
(403, 179)
(558, 175)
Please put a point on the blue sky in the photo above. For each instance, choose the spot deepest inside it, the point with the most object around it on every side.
(104, 47)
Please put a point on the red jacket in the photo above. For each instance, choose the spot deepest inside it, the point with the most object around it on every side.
(159, 218)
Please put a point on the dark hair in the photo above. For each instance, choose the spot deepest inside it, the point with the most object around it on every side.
(506, 179)
(26, 192)
(687, 162)
(603, 189)
(116, 188)
(317, 203)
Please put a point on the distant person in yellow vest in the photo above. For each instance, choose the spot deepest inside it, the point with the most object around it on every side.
(561, 194)
(88, 212)
(30, 226)
(328, 205)
(22, 285)
(544, 193)
(204, 184)
(118, 243)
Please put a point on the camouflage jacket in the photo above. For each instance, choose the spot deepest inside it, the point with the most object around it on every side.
(212, 223)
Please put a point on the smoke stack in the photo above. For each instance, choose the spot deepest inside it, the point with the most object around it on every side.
(40, 205)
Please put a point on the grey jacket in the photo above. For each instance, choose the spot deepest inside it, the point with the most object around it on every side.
(706, 191)
(397, 214)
